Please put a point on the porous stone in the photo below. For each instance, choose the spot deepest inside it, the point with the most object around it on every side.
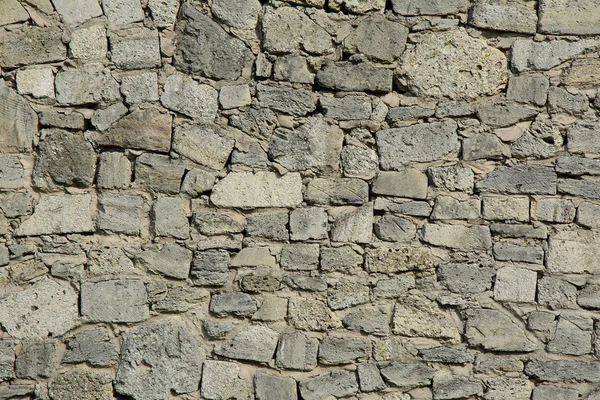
(135, 48)
(11, 173)
(418, 143)
(446, 355)
(114, 171)
(255, 343)
(308, 223)
(287, 29)
(389, 260)
(237, 14)
(455, 387)
(357, 7)
(452, 178)
(426, 7)
(563, 18)
(515, 285)
(234, 96)
(513, 252)
(355, 77)
(581, 73)
(526, 179)
(210, 268)
(38, 82)
(503, 115)
(527, 54)
(354, 226)
(36, 360)
(515, 388)
(458, 236)
(572, 252)
(466, 278)
(274, 387)
(122, 12)
(95, 346)
(346, 294)
(339, 258)
(377, 38)
(368, 319)
(397, 114)
(556, 293)
(204, 47)
(159, 173)
(105, 117)
(114, 301)
(542, 392)
(13, 12)
(89, 42)
(80, 384)
(494, 330)
(270, 225)
(394, 287)
(171, 260)
(424, 75)
(418, 316)
(73, 120)
(108, 261)
(296, 102)
(164, 12)
(18, 119)
(185, 95)
(59, 214)
(589, 296)
(554, 210)
(262, 189)
(346, 108)
(336, 384)
(272, 309)
(359, 162)
(157, 358)
(65, 159)
(408, 182)
(337, 191)
(139, 87)
(120, 213)
(563, 370)
(511, 16)
(506, 208)
(312, 315)
(410, 374)
(88, 84)
(75, 13)
(222, 380)
(236, 303)
(297, 351)
(36, 45)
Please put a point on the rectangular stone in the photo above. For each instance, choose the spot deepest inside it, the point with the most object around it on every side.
(588, 215)
(584, 138)
(159, 173)
(363, 77)
(120, 213)
(346, 108)
(526, 179)
(296, 102)
(114, 301)
(528, 89)
(506, 208)
(583, 72)
(337, 191)
(527, 54)
(207, 144)
(505, 15)
(564, 17)
(563, 370)
(458, 236)
(560, 211)
(520, 231)
(35, 45)
(512, 252)
(580, 187)
(427, 7)
(407, 207)
(409, 182)
(11, 173)
(574, 252)
(577, 166)
(135, 48)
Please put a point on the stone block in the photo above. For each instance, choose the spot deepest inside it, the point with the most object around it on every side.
(455, 387)
(312, 315)
(417, 316)
(515, 285)
(185, 95)
(255, 343)
(74, 14)
(170, 259)
(95, 346)
(274, 387)
(336, 384)
(341, 259)
(337, 191)
(355, 226)
(448, 207)
(122, 12)
(493, 330)
(210, 268)
(458, 236)
(11, 173)
(424, 7)
(527, 54)
(114, 301)
(343, 349)
(511, 252)
(378, 38)
(89, 84)
(308, 223)
(18, 119)
(223, 380)
(292, 68)
(234, 96)
(520, 179)
(363, 77)
(269, 225)
(287, 29)
(37, 360)
(359, 162)
(413, 374)
(295, 102)
(408, 182)
(573, 337)
(159, 173)
(297, 351)
(164, 12)
(466, 278)
(134, 48)
(139, 87)
(556, 293)
(114, 171)
(558, 17)
(236, 303)
(560, 100)
(169, 218)
(506, 208)
(511, 16)
(38, 82)
(197, 181)
(393, 259)
(89, 42)
(120, 213)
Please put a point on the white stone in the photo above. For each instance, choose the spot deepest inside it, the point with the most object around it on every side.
(235, 96)
(89, 42)
(76, 12)
(121, 12)
(38, 82)
(164, 12)
(515, 285)
(185, 95)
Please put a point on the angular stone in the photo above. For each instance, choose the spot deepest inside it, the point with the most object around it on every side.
(563, 370)
(501, 115)
(554, 210)
(583, 188)
(89, 84)
(448, 207)
(171, 260)
(377, 38)
(270, 225)
(528, 89)
(18, 120)
(204, 47)
(446, 355)
(262, 281)
(589, 296)
(135, 48)
(234, 96)
(573, 337)
(515, 285)
(343, 349)
(577, 166)
(236, 303)
(397, 114)
(38, 82)
(333, 384)
(452, 178)
(346, 108)
(573, 253)
(543, 392)
(254, 343)
(35, 45)
(506, 208)
(418, 316)
(75, 13)
(59, 214)
(392, 228)
(500, 388)
(357, 7)
(561, 18)
(223, 380)
(292, 68)
(420, 143)
(354, 226)
(74, 120)
(11, 173)
(108, 261)
(297, 351)
(237, 14)
(256, 257)
(159, 173)
(114, 171)
(216, 222)
(263, 189)
(95, 346)
(290, 101)
(395, 287)
(337, 191)
(157, 358)
(13, 12)
(556, 293)
(104, 118)
(210, 268)
(512, 252)
(466, 278)
(271, 309)
(485, 145)
(312, 315)
(526, 179)
(36, 360)
(369, 378)
(216, 329)
(458, 236)
(299, 257)
(340, 259)
(287, 29)
(197, 181)
(425, 7)
(368, 319)
(140, 87)
(582, 138)
(408, 374)
(274, 387)
(185, 95)
(120, 213)
(46, 307)
(122, 12)
(511, 16)
(560, 100)
(495, 331)
(114, 301)
(424, 75)
(389, 260)
(346, 294)
(359, 162)
(527, 54)
(89, 42)
(408, 182)
(64, 158)
(164, 12)
(349, 77)
(169, 218)
(80, 384)
(455, 387)
(583, 72)
(308, 223)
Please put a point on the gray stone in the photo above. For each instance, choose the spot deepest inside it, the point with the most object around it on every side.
(38, 82)
(176, 297)
(296, 102)
(394, 287)
(43, 308)
(503, 115)
(89, 84)
(11, 173)
(455, 387)
(346, 108)
(543, 323)
(143, 129)
(95, 346)
(582, 72)
(354, 226)
(171, 260)
(589, 296)
(36, 45)
(563, 370)
(236, 303)
(558, 17)
(448, 207)
(582, 138)
(494, 330)
(89, 41)
(554, 210)
(308, 223)
(408, 182)
(36, 360)
(458, 236)
(346, 294)
(59, 214)
(528, 89)
(369, 320)
(428, 7)
(104, 118)
(466, 278)
(135, 48)
(204, 47)
(515, 285)
(397, 114)
(542, 140)
(526, 179)
(80, 384)
(66, 159)
(484, 145)
(287, 29)
(582, 188)
(505, 208)
(252, 156)
(389, 260)
(446, 355)
(217, 329)
(458, 108)
(312, 315)
(559, 100)
(237, 14)
(337, 191)
(157, 358)
(4, 255)
(187, 96)
(122, 12)
(120, 213)
(13, 13)
(7, 360)
(257, 257)
(139, 87)
(223, 380)
(343, 349)
(573, 337)
(263, 281)
(74, 120)
(511, 252)
(343, 259)
(420, 143)
(334, 384)
(169, 218)
(114, 171)
(452, 178)
(577, 166)
(292, 68)
(357, 7)
(543, 392)
(159, 173)
(408, 374)
(299, 257)
(274, 387)
(234, 96)
(254, 343)
(349, 77)
(164, 12)
(527, 54)
(377, 38)
(315, 145)
(272, 309)
(210, 268)
(511, 16)
(417, 316)
(369, 378)
(75, 13)
(269, 225)
(359, 162)
(18, 119)
(257, 122)
(556, 293)
(114, 301)
(263, 189)
(572, 252)
(108, 261)
(197, 181)
(392, 228)
(297, 351)
(421, 72)
(515, 388)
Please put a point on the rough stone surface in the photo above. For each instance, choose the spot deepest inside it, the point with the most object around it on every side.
(335, 384)
(286, 29)
(185, 95)
(118, 301)
(532, 55)
(495, 331)
(520, 179)
(355, 77)
(81, 384)
(563, 18)
(273, 387)
(95, 346)
(120, 213)
(337, 191)
(90, 84)
(296, 102)
(417, 316)
(255, 343)
(511, 16)
(297, 351)
(378, 38)
(19, 122)
(426, 7)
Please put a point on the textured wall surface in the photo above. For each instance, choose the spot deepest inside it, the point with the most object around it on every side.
(299, 199)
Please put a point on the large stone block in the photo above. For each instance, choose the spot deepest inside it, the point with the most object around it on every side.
(255, 343)
(573, 252)
(159, 173)
(122, 12)
(89, 84)
(511, 16)
(495, 331)
(95, 346)
(337, 191)
(287, 29)
(187, 96)
(527, 54)
(296, 102)
(343, 349)
(135, 48)
(114, 301)
(171, 260)
(458, 236)
(349, 77)
(562, 17)
(526, 179)
(334, 384)
(418, 316)
(18, 121)
(35, 45)
(378, 38)
(563, 370)
(120, 213)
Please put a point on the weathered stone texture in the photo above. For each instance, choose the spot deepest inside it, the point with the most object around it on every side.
(263, 189)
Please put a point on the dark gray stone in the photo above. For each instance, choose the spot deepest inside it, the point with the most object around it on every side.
(95, 346)
(299, 257)
(563, 370)
(346, 108)
(296, 102)
(355, 77)
(236, 303)
(581, 188)
(37, 360)
(210, 268)
(501, 115)
(297, 351)
(527, 179)
(35, 45)
(342, 259)
(577, 166)
(446, 355)
(269, 225)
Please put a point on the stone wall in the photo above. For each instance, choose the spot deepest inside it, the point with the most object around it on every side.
(299, 199)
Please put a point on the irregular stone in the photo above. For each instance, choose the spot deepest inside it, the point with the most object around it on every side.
(341, 259)
(157, 358)
(36, 360)
(526, 179)
(377, 38)
(197, 181)
(558, 17)
(501, 115)
(452, 178)
(135, 48)
(237, 14)
(554, 210)
(89, 42)
(59, 214)
(89, 84)
(11, 173)
(7, 360)
(528, 89)
(120, 213)
(542, 392)
(458, 236)
(560, 100)
(556, 293)
(263, 281)
(94, 346)
(271, 309)
(13, 12)
(204, 47)
(234, 96)
(269, 225)
(466, 278)
(588, 296)
(389, 260)
(164, 12)
(64, 158)
(455, 387)
(105, 117)
(448, 207)
(349, 77)
(446, 355)
(354, 226)
(108, 261)
(359, 162)
(171, 260)
(308, 223)
(296, 102)
(508, 16)
(75, 13)
(176, 297)
(563, 370)
(582, 188)
(255, 257)
(392, 228)
(515, 285)
(27, 270)
(346, 108)
(346, 294)
(299, 257)
(292, 68)
(407, 182)
(216, 329)
(185, 95)
(297, 351)
(312, 315)
(169, 218)
(80, 384)
(408, 374)
(274, 387)
(254, 343)
(495, 331)
(287, 29)
(263, 189)
(343, 349)
(420, 143)
(582, 72)
(140, 87)
(35, 45)
(515, 388)
(577, 166)
(159, 173)
(236, 303)
(397, 114)
(337, 191)
(485, 145)
(297, 150)
(505, 208)
(47, 307)
(527, 54)
(582, 138)
(418, 316)
(74, 120)
(395, 287)
(122, 12)
(423, 74)
(572, 253)
(210, 268)
(572, 337)
(222, 380)
(38, 82)
(114, 301)
(114, 171)
(368, 319)
(334, 384)
(18, 119)
(425, 7)
(369, 378)
(257, 122)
